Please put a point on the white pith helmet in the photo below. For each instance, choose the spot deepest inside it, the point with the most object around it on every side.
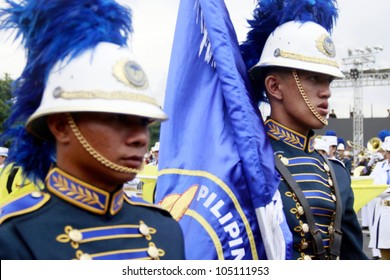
(341, 147)
(156, 147)
(320, 143)
(331, 140)
(306, 46)
(104, 79)
(386, 144)
(4, 151)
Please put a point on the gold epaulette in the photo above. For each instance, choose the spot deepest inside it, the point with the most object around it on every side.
(23, 204)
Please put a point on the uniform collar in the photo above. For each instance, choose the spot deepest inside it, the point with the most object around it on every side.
(82, 194)
(292, 138)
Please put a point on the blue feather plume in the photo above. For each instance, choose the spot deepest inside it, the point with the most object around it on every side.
(330, 133)
(269, 14)
(52, 31)
(383, 134)
(340, 140)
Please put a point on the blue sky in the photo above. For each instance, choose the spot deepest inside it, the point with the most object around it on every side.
(359, 25)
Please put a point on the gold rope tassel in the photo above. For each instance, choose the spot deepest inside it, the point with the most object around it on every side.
(84, 143)
(307, 101)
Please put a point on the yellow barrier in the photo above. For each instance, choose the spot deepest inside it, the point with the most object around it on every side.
(363, 187)
(19, 186)
(365, 190)
(149, 178)
(144, 184)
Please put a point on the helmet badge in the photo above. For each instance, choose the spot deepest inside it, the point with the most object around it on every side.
(131, 73)
(326, 46)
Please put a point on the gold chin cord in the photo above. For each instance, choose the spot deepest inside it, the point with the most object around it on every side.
(307, 101)
(94, 153)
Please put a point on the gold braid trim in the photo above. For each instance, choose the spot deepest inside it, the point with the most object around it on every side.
(115, 95)
(306, 99)
(305, 58)
(94, 153)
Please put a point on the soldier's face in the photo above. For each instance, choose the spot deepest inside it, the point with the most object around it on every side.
(387, 155)
(121, 139)
(291, 108)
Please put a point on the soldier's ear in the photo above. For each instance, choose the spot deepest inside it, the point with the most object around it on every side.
(272, 86)
(59, 127)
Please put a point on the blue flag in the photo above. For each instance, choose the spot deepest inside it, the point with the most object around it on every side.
(216, 168)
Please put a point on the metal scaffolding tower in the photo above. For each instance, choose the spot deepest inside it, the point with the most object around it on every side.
(357, 77)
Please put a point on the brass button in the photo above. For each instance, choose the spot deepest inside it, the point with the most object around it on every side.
(85, 257)
(307, 258)
(330, 229)
(304, 245)
(284, 160)
(300, 210)
(330, 182)
(144, 229)
(153, 252)
(305, 228)
(326, 167)
(334, 197)
(75, 235)
(36, 194)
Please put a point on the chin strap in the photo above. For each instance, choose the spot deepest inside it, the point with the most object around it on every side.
(94, 153)
(306, 99)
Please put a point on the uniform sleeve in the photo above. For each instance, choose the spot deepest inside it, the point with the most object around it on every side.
(352, 239)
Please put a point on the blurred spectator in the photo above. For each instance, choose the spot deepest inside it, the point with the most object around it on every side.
(155, 151)
(3, 156)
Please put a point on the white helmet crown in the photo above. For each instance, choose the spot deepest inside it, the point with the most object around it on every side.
(306, 46)
(105, 79)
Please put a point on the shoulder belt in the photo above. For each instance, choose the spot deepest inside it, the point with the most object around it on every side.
(23, 204)
(335, 160)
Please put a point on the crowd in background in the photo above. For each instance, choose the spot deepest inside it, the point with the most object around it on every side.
(372, 161)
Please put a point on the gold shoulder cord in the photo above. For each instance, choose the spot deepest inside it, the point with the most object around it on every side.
(94, 153)
(306, 99)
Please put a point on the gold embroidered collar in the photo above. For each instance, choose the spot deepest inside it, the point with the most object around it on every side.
(82, 194)
(292, 138)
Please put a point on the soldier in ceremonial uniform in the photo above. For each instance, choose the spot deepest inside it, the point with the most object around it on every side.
(380, 230)
(332, 140)
(295, 66)
(86, 105)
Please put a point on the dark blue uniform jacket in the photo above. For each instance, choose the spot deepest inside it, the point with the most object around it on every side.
(74, 220)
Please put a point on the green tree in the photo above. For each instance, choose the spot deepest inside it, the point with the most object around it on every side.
(5, 99)
(154, 134)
